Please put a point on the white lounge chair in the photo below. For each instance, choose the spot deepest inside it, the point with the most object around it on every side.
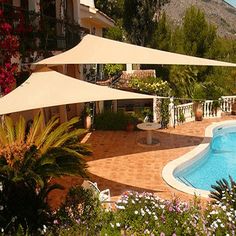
(104, 195)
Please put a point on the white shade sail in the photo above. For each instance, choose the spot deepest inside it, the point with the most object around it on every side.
(47, 88)
(97, 50)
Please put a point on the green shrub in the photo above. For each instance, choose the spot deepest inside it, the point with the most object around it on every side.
(114, 121)
(112, 69)
(81, 212)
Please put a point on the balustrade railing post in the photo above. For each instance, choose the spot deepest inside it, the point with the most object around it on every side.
(172, 113)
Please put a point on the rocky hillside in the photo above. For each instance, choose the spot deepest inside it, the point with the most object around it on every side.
(218, 12)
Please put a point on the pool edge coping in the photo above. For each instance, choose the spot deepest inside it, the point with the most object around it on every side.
(187, 159)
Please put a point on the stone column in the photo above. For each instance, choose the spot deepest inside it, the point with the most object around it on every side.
(129, 68)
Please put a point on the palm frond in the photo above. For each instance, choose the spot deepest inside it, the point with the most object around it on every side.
(20, 130)
(67, 136)
(32, 176)
(10, 129)
(82, 148)
(218, 189)
(55, 135)
(45, 191)
(67, 162)
(30, 159)
(35, 128)
(3, 136)
(44, 134)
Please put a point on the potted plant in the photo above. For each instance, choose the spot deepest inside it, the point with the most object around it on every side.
(131, 122)
(198, 111)
(233, 108)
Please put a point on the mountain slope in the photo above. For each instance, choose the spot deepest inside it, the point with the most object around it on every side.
(218, 12)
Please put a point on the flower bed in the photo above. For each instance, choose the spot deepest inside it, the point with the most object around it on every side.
(146, 214)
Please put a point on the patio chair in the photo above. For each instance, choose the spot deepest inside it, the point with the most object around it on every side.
(104, 195)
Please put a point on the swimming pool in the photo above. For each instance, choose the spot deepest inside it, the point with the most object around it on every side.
(212, 160)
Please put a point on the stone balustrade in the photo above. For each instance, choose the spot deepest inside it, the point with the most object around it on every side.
(185, 112)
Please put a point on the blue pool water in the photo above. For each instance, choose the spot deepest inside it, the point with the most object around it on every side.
(219, 162)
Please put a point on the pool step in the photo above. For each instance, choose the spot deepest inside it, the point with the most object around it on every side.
(185, 181)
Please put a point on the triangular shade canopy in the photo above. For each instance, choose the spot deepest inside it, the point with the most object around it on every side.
(48, 88)
(97, 50)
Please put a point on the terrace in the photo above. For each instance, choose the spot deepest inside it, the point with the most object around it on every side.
(120, 164)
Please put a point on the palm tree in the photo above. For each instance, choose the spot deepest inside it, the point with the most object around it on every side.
(28, 161)
(224, 189)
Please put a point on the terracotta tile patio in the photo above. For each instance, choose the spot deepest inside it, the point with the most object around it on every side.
(120, 164)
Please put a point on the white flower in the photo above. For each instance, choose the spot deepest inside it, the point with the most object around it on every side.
(142, 212)
(118, 224)
(228, 213)
(214, 225)
(125, 201)
(136, 212)
(223, 208)
(222, 225)
(214, 212)
(162, 206)
(120, 207)
(112, 225)
(146, 231)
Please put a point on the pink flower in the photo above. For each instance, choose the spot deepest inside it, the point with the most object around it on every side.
(8, 65)
(7, 90)
(6, 27)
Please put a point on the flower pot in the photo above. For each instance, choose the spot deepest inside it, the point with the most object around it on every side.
(233, 111)
(130, 127)
(87, 122)
(198, 114)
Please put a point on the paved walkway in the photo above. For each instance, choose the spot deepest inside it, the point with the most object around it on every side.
(120, 164)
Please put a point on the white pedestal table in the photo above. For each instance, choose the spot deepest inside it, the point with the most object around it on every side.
(149, 127)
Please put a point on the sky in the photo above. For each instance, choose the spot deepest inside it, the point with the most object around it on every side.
(232, 2)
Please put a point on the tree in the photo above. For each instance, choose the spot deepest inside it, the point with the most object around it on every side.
(140, 18)
(182, 80)
(116, 32)
(28, 161)
(162, 35)
(113, 8)
(198, 36)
